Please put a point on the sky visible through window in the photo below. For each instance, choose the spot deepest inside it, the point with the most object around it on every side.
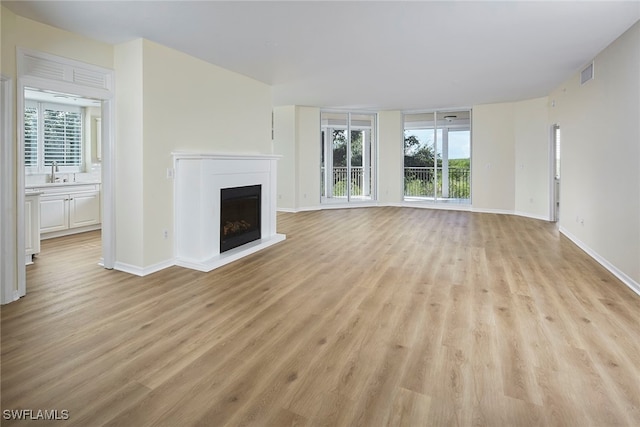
(459, 146)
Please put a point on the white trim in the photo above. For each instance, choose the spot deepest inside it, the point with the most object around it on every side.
(84, 80)
(493, 211)
(143, 271)
(532, 216)
(107, 188)
(8, 226)
(439, 206)
(628, 281)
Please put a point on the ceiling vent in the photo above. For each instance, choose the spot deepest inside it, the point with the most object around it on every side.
(586, 74)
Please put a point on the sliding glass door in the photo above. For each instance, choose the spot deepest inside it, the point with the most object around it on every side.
(437, 157)
(348, 157)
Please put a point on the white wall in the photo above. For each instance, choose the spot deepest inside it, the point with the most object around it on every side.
(600, 170)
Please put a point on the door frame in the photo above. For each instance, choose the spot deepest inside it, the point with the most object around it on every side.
(554, 184)
(327, 154)
(44, 71)
(8, 254)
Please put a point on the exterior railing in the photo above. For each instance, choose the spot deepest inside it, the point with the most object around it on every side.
(422, 182)
(418, 182)
(340, 178)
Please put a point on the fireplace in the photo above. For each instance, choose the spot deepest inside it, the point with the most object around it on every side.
(239, 216)
(247, 187)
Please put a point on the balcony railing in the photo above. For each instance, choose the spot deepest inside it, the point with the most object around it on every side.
(430, 182)
(360, 184)
(418, 182)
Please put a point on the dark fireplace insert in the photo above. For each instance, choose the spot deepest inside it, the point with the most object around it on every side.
(239, 216)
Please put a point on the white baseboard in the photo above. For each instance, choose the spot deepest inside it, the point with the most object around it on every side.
(493, 211)
(443, 206)
(143, 271)
(628, 281)
(532, 216)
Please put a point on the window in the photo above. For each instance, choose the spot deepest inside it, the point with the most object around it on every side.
(52, 133)
(437, 157)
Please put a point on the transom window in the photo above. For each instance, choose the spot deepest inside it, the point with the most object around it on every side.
(52, 133)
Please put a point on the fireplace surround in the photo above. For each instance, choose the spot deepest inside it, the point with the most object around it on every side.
(202, 181)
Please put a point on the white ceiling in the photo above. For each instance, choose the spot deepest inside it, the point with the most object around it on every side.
(367, 54)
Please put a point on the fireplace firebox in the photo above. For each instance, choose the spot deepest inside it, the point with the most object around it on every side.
(239, 216)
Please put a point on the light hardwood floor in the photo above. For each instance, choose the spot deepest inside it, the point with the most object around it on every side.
(362, 317)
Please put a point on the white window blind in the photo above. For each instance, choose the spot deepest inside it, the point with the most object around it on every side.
(62, 137)
(31, 137)
(52, 133)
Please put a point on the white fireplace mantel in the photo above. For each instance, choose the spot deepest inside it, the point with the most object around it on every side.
(198, 181)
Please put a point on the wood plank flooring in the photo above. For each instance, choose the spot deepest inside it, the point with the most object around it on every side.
(362, 317)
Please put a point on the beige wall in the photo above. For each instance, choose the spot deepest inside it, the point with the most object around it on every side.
(181, 104)
(390, 157)
(297, 140)
(308, 137)
(493, 157)
(600, 170)
(284, 144)
(18, 32)
(532, 144)
(25, 33)
(129, 154)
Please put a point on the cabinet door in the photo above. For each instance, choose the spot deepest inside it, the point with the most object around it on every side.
(84, 209)
(54, 213)
(29, 220)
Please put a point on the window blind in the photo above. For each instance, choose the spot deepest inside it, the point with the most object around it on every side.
(31, 137)
(62, 138)
(52, 133)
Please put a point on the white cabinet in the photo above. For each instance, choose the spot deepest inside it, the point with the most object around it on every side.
(31, 226)
(54, 213)
(84, 209)
(69, 209)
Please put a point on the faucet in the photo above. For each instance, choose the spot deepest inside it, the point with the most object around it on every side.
(54, 168)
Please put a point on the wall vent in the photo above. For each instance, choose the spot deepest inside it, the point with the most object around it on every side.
(586, 74)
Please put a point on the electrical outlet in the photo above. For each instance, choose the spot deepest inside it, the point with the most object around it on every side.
(165, 234)
(170, 173)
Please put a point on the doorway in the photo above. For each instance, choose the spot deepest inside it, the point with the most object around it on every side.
(36, 71)
(348, 157)
(437, 157)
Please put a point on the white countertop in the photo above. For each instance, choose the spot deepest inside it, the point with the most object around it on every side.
(59, 184)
